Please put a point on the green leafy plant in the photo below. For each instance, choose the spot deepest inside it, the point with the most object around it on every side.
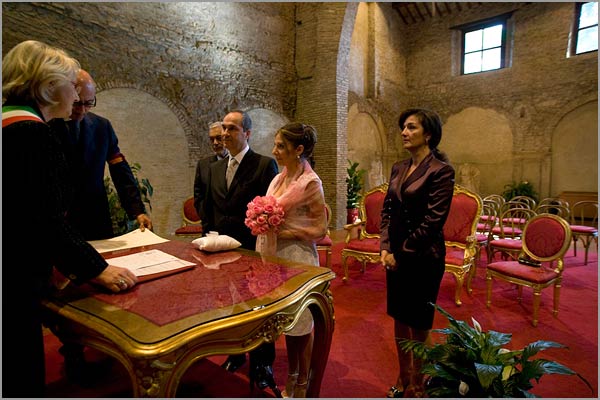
(120, 220)
(474, 363)
(523, 188)
(354, 184)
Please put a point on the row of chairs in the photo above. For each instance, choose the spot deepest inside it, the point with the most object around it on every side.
(544, 231)
(502, 223)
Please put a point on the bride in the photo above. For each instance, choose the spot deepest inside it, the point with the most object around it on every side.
(298, 189)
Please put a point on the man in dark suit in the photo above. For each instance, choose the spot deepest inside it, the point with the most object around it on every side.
(91, 143)
(225, 210)
(215, 135)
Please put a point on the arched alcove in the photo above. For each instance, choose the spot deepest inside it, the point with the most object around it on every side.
(150, 134)
(575, 151)
(483, 139)
(365, 144)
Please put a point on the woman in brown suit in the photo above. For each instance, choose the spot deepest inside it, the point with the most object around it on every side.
(412, 242)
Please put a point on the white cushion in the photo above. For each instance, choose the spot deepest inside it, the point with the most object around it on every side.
(216, 243)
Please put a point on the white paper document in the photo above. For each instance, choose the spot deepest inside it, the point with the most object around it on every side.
(150, 262)
(127, 241)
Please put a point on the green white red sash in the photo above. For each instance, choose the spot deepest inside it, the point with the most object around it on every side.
(12, 114)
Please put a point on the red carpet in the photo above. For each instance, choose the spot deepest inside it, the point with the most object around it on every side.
(362, 362)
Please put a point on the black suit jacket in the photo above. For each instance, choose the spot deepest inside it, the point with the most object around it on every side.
(201, 182)
(225, 210)
(90, 145)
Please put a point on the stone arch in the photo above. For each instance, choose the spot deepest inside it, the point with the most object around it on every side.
(575, 151)
(151, 134)
(365, 145)
(468, 139)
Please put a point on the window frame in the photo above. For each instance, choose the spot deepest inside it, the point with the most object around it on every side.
(576, 30)
(480, 25)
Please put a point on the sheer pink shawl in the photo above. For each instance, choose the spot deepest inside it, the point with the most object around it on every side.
(304, 205)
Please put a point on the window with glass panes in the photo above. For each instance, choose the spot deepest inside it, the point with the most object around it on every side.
(484, 47)
(586, 36)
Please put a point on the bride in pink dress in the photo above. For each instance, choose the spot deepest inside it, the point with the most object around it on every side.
(298, 189)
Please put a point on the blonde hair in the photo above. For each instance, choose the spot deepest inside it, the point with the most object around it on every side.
(32, 68)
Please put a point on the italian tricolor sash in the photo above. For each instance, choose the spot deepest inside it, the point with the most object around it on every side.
(12, 114)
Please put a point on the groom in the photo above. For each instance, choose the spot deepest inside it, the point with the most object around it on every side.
(232, 183)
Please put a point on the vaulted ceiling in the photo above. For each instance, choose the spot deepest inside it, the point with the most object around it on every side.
(415, 12)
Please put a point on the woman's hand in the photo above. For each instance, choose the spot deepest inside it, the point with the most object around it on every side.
(116, 279)
(388, 260)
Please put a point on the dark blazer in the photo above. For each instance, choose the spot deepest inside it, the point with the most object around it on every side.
(36, 231)
(90, 145)
(225, 210)
(201, 182)
(415, 211)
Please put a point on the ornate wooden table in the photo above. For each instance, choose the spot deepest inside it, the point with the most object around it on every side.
(230, 303)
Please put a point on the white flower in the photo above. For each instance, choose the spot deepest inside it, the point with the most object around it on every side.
(503, 351)
(476, 325)
(463, 388)
(507, 371)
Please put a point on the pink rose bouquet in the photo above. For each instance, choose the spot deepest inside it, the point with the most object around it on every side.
(264, 214)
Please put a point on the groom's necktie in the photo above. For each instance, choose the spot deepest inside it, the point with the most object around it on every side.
(231, 168)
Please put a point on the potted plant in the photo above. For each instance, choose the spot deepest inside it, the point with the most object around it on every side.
(523, 188)
(354, 188)
(474, 363)
(120, 220)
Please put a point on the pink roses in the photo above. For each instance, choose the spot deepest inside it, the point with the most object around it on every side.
(264, 214)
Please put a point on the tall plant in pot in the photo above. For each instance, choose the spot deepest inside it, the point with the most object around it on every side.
(120, 220)
(354, 182)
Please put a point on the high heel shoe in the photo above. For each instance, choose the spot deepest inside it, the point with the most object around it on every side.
(289, 386)
(395, 393)
(300, 390)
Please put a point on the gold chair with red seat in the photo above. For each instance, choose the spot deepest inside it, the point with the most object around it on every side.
(459, 235)
(546, 238)
(483, 235)
(191, 224)
(326, 243)
(365, 247)
(507, 234)
(584, 225)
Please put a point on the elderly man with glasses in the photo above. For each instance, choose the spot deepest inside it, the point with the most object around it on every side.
(215, 136)
(89, 143)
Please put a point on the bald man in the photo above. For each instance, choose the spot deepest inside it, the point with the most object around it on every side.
(90, 143)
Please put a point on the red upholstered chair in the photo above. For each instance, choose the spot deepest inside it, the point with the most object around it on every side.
(487, 222)
(507, 234)
(365, 248)
(191, 225)
(459, 235)
(584, 225)
(326, 243)
(546, 238)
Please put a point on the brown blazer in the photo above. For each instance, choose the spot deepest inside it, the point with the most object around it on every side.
(415, 210)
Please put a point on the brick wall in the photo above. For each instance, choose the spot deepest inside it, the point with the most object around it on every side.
(293, 61)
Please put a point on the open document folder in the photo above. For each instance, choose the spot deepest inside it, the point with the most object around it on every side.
(151, 264)
(146, 265)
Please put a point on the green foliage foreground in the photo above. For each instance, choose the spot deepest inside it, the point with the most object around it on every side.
(473, 363)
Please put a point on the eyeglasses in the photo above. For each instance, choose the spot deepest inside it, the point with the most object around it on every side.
(86, 104)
